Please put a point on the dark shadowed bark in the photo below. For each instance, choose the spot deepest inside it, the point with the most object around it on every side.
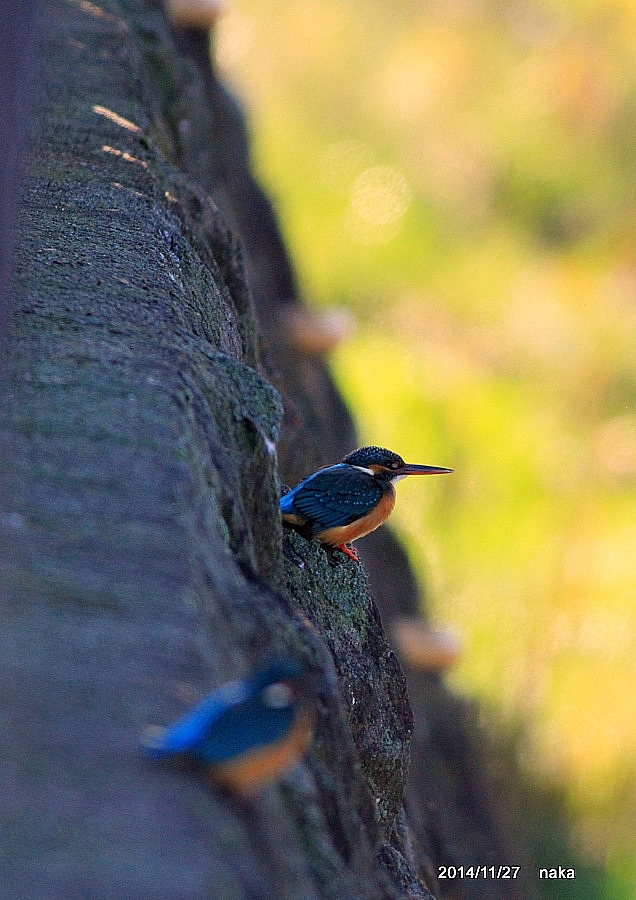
(19, 20)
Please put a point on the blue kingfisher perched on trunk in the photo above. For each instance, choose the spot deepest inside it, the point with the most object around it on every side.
(341, 503)
(247, 732)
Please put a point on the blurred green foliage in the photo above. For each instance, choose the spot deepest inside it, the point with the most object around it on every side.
(461, 174)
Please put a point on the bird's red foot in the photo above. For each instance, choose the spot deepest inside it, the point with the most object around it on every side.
(350, 551)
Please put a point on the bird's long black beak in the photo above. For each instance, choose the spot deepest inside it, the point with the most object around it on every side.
(411, 469)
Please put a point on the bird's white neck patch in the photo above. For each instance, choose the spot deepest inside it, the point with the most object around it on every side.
(395, 478)
(277, 695)
(363, 469)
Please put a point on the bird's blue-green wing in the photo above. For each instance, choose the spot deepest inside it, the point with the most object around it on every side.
(189, 732)
(334, 497)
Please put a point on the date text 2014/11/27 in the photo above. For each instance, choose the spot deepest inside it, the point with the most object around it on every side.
(478, 871)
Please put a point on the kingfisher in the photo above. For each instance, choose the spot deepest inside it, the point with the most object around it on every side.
(341, 503)
(247, 732)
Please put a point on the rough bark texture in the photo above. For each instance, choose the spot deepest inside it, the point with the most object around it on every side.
(16, 66)
(142, 559)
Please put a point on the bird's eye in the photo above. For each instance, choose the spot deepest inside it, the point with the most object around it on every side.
(394, 465)
(277, 695)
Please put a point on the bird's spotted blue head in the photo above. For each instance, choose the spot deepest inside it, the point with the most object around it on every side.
(279, 670)
(365, 457)
(386, 465)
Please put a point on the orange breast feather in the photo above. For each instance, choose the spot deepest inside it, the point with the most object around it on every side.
(344, 534)
(245, 773)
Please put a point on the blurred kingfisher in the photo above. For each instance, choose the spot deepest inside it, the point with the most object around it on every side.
(341, 503)
(246, 732)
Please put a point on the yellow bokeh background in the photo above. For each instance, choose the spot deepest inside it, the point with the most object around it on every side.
(461, 175)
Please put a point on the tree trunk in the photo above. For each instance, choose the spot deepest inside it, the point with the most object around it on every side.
(142, 558)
